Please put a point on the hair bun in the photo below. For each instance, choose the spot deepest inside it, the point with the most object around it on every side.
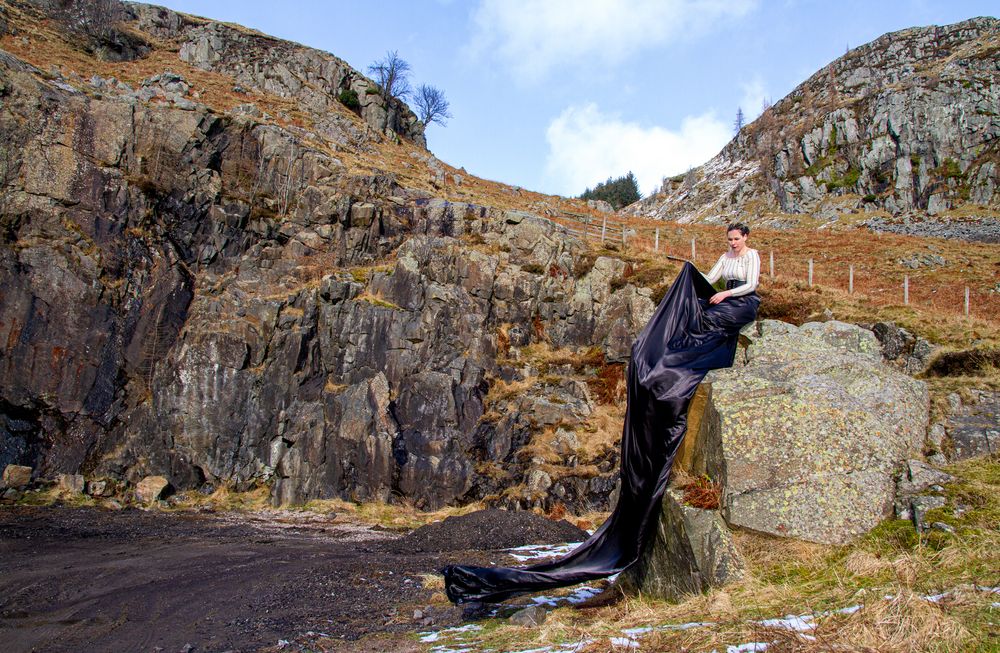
(741, 227)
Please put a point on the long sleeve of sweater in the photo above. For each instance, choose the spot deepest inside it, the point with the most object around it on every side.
(753, 275)
(716, 271)
(745, 268)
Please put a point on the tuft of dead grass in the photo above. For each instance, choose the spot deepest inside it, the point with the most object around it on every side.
(702, 493)
(602, 431)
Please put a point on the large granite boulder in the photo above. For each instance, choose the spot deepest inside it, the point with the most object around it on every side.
(807, 432)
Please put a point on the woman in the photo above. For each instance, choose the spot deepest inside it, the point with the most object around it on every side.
(693, 330)
(740, 267)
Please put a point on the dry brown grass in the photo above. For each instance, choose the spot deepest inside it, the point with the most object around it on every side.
(224, 498)
(601, 431)
(901, 624)
(702, 493)
(401, 515)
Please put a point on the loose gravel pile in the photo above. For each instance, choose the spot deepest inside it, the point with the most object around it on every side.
(488, 529)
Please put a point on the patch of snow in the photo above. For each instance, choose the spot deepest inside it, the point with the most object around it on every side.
(688, 625)
(624, 642)
(632, 632)
(535, 551)
(544, 600)
(581, 594)
(799, 624)
(750, 647)
(433, 636)
(573, 647)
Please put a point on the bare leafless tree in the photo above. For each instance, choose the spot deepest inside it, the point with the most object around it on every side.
(392, 74)
(432, 106)
(94, 17)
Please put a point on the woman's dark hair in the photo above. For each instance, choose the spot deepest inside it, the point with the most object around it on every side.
(740, 227)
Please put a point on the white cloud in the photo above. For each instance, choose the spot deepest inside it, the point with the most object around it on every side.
(532, 37)
(754, 95)
(587, 146)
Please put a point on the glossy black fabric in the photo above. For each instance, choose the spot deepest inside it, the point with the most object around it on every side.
(685, 338)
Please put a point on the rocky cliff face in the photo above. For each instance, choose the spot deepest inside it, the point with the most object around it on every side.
(213, 295)
(906, 125)
(222, 292)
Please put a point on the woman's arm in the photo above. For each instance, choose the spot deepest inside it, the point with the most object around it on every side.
(753, 276)
(716, 271)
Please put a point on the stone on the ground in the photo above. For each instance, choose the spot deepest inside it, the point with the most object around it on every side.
(917, 476)
(71, 483)
(920, 506)
(151, 488)
(936, 435)
(16, 476)
(807, 435)
(907, 352)
(691, 551)
(531, 616)
(971, 442)
(100, 488)
(973, 425)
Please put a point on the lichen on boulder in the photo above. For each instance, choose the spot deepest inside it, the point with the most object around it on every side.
(811, 431)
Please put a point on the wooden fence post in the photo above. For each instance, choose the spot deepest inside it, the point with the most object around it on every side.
(656, 241)
(772, 263)
(810, 273)
(604, 229)
(966, 300)
(906, 290)
(694, 251)
(850, 281)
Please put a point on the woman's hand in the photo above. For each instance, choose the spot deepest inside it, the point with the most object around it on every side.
(719, 296)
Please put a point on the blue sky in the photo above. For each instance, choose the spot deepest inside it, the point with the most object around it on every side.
(557, 95)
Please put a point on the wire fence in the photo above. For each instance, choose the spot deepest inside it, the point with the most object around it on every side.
(833, 275)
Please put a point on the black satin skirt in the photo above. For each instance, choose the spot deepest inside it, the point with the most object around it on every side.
(685, 338)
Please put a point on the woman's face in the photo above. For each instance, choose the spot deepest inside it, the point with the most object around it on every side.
(737, 241)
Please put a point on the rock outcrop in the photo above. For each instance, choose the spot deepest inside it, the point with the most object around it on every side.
(905, 125)
(691, 552)
(317, 80)
(971, 426)
(216, 298)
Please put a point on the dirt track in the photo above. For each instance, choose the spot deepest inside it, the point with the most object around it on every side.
(94, 580)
